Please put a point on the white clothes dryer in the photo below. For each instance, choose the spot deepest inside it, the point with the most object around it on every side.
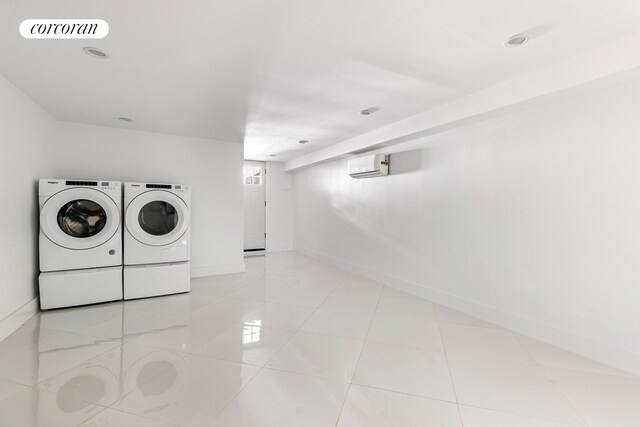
(156, 239)
(80, 242)
(157, 221)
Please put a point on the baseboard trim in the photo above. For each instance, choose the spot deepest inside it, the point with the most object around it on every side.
(278, 248)
(12, 322)
(213, 270)
(587, 347)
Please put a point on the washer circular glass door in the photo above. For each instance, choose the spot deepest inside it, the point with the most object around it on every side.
(82, 218)
(157, 218)
(79, 218)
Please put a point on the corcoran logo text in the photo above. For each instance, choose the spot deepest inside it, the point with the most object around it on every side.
(64, 29)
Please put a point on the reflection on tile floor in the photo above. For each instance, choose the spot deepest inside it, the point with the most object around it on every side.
(294, 342)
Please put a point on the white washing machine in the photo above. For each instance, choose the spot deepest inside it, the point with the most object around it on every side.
(80, 242)
(156, 239)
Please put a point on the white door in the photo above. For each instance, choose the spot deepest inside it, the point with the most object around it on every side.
(254, 205)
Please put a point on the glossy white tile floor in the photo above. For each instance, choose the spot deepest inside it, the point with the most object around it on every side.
(293, 342)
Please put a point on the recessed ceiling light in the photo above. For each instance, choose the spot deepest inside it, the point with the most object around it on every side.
(303, 141)
(125, 119)
(95, 52)
(272, 155)
(369, 111)
(516, 40)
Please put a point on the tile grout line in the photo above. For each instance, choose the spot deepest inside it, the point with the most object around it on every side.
(446, 358)
(263, 367)
(294, 332)
(110, 406)
(346, 396)
(118, 343)
(602, 374)
(315, 309)
(96, 405)
(520, 415)
(83, 361)
(298, 329)
(546, 375)
(185, 356)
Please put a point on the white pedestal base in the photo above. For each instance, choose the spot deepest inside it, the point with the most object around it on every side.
(80, 287)
(149, 280)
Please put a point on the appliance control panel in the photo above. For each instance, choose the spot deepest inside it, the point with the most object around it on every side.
(103, 185)
(107, 185)
(181, 188)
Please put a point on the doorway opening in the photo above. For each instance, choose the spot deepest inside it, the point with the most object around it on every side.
(254, 208)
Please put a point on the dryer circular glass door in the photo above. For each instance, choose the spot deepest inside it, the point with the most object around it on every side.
(157, 218)
(79, 218)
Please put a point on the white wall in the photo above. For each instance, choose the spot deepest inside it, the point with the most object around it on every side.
(25, 142)
(213, 169)
(279, 208)
(531, 220)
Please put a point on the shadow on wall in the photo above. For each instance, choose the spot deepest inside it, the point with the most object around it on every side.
(407, 162)
(35, 232)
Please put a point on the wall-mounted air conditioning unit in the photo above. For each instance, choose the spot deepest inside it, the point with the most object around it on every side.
(369, 166)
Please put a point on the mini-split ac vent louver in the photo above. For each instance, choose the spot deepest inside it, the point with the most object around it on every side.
(369, 166)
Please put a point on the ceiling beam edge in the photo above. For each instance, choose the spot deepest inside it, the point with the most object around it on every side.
(608, 64)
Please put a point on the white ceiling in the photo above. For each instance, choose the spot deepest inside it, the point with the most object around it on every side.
(270, 73)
